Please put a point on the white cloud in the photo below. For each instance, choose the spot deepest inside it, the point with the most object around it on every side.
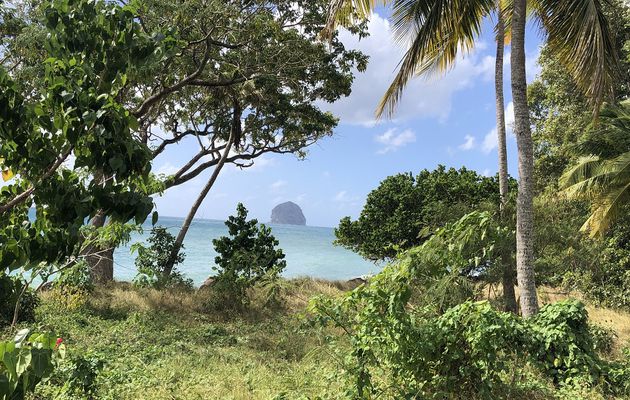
(486, 172)
(344, 197)
(429, 96)
(278, 185)
(341, 196)
(509, 116)
(392, 140)
(490, 141)
(469, 143)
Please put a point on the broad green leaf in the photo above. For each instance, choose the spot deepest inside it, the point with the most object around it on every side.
(41, 362)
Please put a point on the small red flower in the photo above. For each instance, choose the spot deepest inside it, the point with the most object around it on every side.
(59, 341)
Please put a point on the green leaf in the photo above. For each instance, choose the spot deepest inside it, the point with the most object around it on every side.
(154, 218)
(42, 364)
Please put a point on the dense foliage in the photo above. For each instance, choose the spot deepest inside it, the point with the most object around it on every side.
(404, 210)
(187, 81)
(25, 361)
(12, 292)
(403, 346)
(151, 261)
(249, 255)
(560, 113)
(69, 145)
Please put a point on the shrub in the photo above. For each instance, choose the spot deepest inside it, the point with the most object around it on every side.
(77, 277)
(10, 289)
(152, 260)
(247, 257)
(78, 376)
(561, 342)
(603, 338)
(404, 349)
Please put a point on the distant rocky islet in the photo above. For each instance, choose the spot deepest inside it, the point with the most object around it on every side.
(288, 213)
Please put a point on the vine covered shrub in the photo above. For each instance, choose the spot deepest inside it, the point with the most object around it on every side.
(561, 342)
(152, 259)
(248, 256)
(405, 348)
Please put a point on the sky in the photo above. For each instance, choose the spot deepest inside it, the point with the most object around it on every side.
(447, 119)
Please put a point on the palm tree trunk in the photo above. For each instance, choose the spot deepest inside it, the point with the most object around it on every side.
(509, 297)
(179, 241)
(525, 200)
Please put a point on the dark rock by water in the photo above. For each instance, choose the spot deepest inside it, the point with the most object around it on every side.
(287, 213)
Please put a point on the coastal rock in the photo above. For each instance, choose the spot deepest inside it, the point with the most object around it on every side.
(356, 282)
(208, 283)
(287, 213)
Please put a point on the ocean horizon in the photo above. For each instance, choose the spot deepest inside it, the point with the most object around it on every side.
(309, 251)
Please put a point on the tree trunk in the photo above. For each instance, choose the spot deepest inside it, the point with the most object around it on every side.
(179, 241)
(100, 261)
(509, 297)
(525, 200)
(500, 108)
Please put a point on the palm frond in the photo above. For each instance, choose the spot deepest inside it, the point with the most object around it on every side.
(578, 33)
(345, 12)
(586, 168)
(607, 210)
(435, 32)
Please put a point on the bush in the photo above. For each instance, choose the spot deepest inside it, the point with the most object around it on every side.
(10, 289)
(603, 338)
(246, 258)
(152, 260)
(77, 376)
(404, 349)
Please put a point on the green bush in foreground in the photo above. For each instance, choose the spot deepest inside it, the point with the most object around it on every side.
(405, 348)
(247, 257)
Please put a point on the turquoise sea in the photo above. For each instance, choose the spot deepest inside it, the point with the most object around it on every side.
(309, 251)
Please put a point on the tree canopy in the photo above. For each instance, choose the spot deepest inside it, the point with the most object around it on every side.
(70, 144)
(405, 210)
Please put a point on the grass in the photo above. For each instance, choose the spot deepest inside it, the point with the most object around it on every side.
(169, 345)
(165, 345)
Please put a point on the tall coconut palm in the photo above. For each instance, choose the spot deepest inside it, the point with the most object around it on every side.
(602, 178)
(436, 31)
(509, 296)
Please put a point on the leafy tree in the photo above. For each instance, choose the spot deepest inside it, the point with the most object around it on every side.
(560, 113)
(152, 260)
(257, 62)
(246, 257)
(404, 210)
(69, 147)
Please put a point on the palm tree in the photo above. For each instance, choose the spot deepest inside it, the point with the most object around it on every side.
(437, 30)
(602, 178)
(509, 296)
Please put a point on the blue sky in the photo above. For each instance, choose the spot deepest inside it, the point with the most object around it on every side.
(446, 119)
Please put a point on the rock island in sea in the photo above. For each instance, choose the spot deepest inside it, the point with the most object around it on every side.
(287, 213)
